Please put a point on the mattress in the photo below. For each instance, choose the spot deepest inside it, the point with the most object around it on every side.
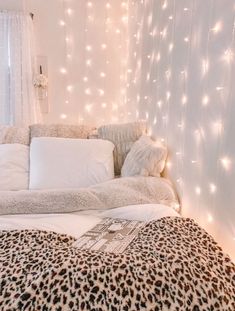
(76, 224)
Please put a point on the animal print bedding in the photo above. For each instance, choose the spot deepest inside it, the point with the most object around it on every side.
(172, 264)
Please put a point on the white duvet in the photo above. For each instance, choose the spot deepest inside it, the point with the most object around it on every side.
(76, 224)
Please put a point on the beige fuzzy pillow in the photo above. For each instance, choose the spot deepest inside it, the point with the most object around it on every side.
(60, 130)
(14, 135)
(146, 158)
(123, 136)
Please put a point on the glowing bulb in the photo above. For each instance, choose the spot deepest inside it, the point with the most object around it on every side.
(108, 6)
(88, 48)
(219, 88)
(88, 62)
(159, 103)
(170, 17)
(103, 46)
(226, 163)
(69, 56)
(217, 27)
(125, 19)
(63, 116)
(168, 164)
(69, 88)
(228, 56)
(155, 121)
(87, 91)
(205, 100)
(213, 188)
(66, 102)
(186, 39)
(85, 79)
(209, 218)
(102, 75)
(171, 45)
(89, 4)
(168, 95)
(69, 11)
(164, 6)
(63, 70)
(118, 31)
(198, 190)
(103, 105)
(88, 107)
(184, 99)
(217, 127)
(158, 57)
(185, 9)
(205, 66)
(62, 23)
(101, 92)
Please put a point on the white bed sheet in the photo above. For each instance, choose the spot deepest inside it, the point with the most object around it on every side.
(76, 224)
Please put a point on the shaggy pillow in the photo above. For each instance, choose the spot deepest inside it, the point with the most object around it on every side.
(123, 136)
(60, 131)
(14, 135)
(146, 158)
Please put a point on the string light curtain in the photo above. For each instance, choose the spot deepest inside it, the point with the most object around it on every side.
(187, 95)
(17, 99)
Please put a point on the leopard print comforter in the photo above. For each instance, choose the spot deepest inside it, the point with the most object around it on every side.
(172, 264)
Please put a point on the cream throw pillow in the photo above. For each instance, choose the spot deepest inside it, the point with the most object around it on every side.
(146, 158)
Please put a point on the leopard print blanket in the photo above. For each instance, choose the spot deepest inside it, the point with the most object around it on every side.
(172, 264)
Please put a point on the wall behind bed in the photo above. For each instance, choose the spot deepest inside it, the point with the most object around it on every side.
(188, 97)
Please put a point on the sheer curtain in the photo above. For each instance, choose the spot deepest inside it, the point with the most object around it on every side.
(18, 105)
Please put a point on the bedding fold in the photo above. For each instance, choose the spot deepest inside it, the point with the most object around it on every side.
(111, 194)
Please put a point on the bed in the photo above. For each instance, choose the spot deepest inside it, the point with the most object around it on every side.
(116, 245)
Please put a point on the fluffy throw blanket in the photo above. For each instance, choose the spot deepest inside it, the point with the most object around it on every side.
(171, 265)
(114, 193)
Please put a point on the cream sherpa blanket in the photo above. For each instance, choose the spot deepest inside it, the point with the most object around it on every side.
(115, 193)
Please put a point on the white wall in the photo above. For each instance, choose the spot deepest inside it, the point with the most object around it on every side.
(150, 66)
(191, 58)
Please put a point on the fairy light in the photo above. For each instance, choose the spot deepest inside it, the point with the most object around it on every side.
(63, 116)
(198, 190)
(63, 70)
(217, 28)
(213, 188)
(205, 100)
(226, 163)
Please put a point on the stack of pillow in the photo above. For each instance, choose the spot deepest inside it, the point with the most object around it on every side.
(62, 156)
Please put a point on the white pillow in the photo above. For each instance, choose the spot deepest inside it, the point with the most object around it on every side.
(146, 158)
(57, 163)
(14, 167)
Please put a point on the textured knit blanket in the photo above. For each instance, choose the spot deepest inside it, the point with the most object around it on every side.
(111, 194)
(171, 265)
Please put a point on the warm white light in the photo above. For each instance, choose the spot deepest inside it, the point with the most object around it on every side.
(171, 45)
(186, 39)
(69, 11)
(158, 57)
(89, 4)
(217, 27)
(118, 31)
(103, 46)
(103, 105)
(88, 107)
(217, 127)
(159, 103)
(205, 66)
(213, 188)
(102, 75)
(108, 6)
(219, 88)
(88, 62)
(170, 17)
(209, 218)
(63, 70)
(185, 9)
(198, 190)
(63, 116)
(163, 33)
(87, 91)
(168, 164)
(69, 88)
(205, 100)
(69, 56)
(168, 95)
(155, 121)
(88, 48)
(101, 92)
(226, 163)
(85, 79)
(164, 6)
(62, 23)
(228, 56)
(125, 19)
(184, 99)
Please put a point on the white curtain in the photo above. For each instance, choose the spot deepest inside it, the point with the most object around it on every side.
(18, 105)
